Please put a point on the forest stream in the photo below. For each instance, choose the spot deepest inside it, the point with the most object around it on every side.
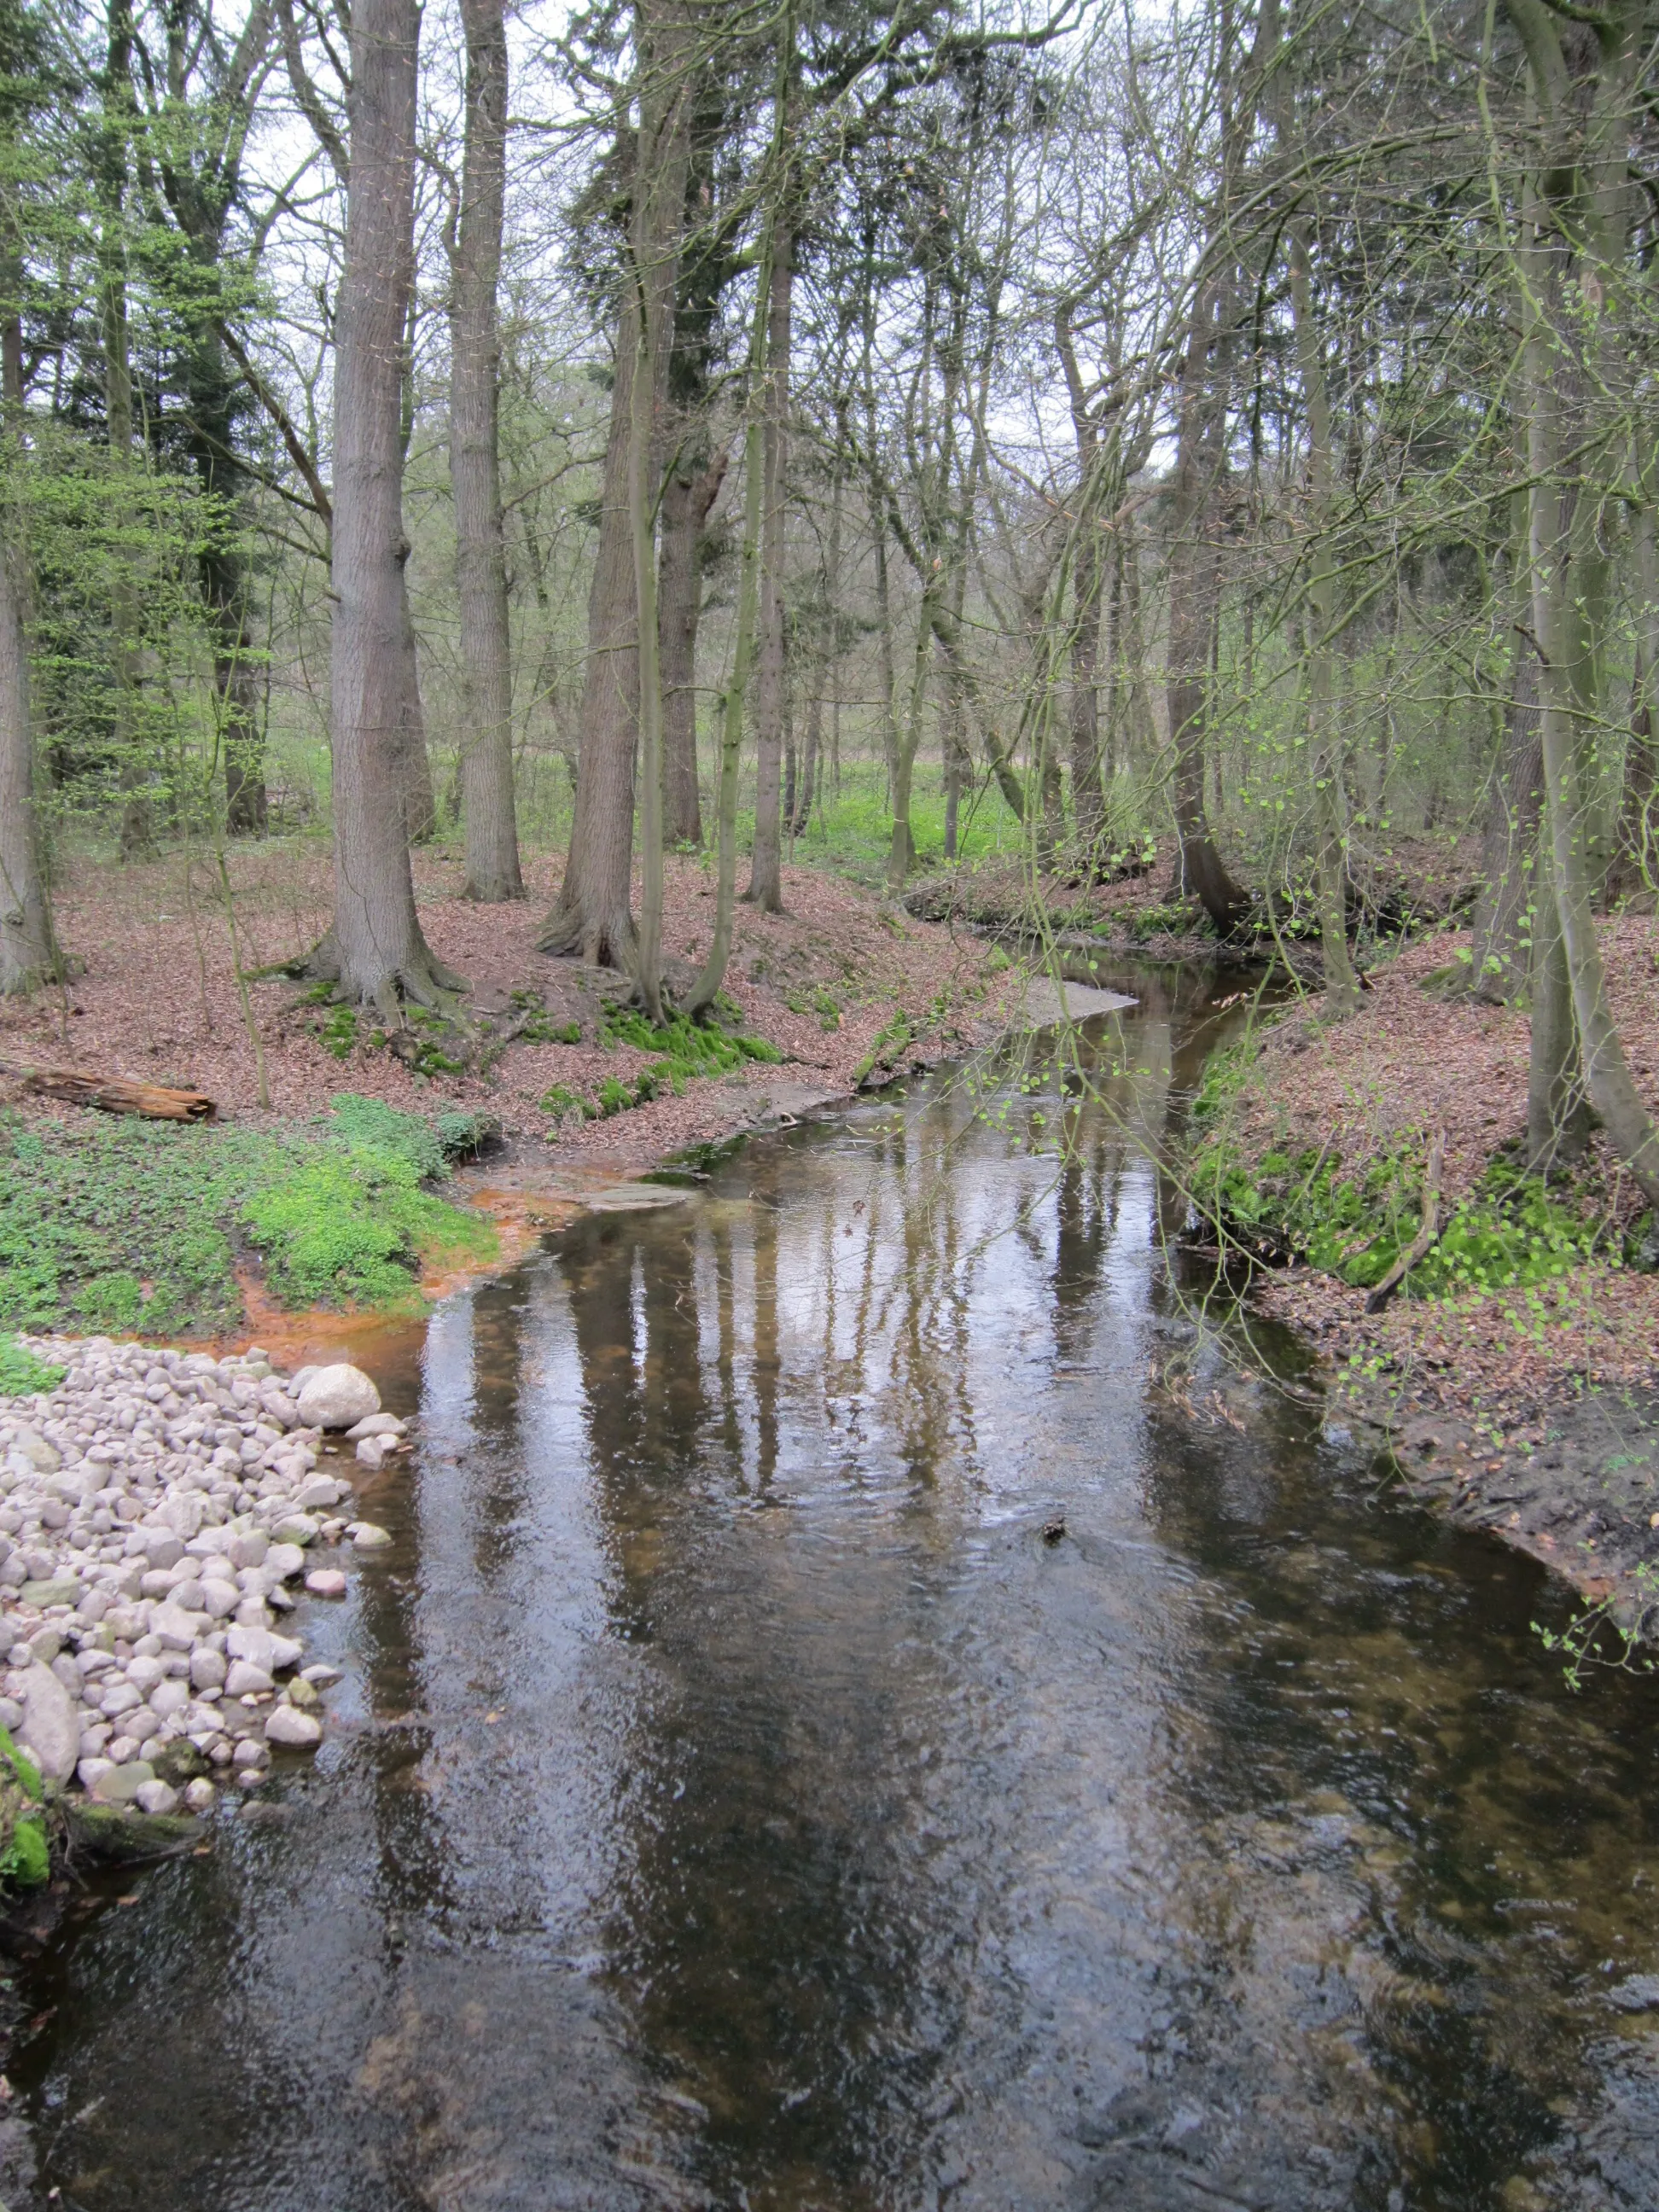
(868, 1706)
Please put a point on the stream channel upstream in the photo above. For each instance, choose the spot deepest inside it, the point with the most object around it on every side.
(734, 1800)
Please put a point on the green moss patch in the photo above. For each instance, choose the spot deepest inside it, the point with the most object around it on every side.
(25, 1856)
(124, 1225)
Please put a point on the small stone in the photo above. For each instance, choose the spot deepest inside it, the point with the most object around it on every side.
(155, 1797)
(338, 1398)
(121, 1785)
(261, 1648)
(368, 1536)
(250, 1752)
(45, 1459)
(321, 1676)
(207, 1669)
(291, 1531)
(292, 1729)
(175, 1629)
(284, 1561)
(326, 1581)
(371, 1453)
(302, 1694)
(201, 1795)
(169, 1697)
(50, 1729)
(377, 1424)
(59, 1589)
(91, 1770)
(221, 1600)
(246, 1680)
(318, 1490)
(249, 1550)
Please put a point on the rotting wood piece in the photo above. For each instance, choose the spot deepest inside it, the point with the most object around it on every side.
(115, 1093)
(1428, 1230)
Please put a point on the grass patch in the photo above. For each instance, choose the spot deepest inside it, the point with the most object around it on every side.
(21, 1374)
(129, 1226)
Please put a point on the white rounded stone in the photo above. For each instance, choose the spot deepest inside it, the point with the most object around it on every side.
(337, 1397)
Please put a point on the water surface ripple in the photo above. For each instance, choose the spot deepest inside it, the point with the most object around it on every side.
(734, 1801)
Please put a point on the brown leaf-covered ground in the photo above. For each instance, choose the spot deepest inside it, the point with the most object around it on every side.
(157, 996)
(1529, 1413)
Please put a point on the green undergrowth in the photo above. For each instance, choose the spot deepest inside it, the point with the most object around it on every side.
(1353, 1220)
(116, 1224)
(22, 1373)
(685, 1052)
(25, 1855)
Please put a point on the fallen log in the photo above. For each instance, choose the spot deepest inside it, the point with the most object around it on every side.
(114, 1094)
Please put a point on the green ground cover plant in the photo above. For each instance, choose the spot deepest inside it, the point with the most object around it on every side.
(1353, 1220)
(686, 1052)
(135, 1225)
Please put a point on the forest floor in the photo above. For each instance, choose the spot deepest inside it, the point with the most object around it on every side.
(1520, 1390)
(836, 990)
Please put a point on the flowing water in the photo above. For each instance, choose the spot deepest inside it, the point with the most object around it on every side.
(736, 1799)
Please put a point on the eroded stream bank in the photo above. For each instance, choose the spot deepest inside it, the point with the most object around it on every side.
(733, 1799)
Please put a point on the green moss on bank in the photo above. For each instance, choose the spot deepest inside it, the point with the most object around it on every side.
(25, 1855)
(108, 1224)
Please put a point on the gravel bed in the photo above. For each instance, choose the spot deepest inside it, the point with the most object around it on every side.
(155, 1510)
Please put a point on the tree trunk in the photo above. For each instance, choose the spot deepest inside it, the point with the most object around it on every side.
(420, 799)
(1341, 985)
(1558, 1108)
(487, 803)
(688, 499)
(137, 813)
(592, 915)
(375, 946)
(29, 954)
(28, 948)
(808, 787)
(241, 742)
(1633, 859)
(713, 974)
(1569, 598)
(765, 877)
(1512, 881)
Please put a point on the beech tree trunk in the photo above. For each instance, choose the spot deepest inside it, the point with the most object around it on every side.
(1511, 879)
(765, 873)
(29, 949)
(1324, 745)
(487, 802)
(1571, 596)
(592, 915)
(137, 814)
(688, 498)
(375, 946)
(28, 953)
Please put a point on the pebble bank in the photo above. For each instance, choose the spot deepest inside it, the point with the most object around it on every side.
(157, 1510)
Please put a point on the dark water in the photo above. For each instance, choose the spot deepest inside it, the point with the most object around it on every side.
(733, 1801)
